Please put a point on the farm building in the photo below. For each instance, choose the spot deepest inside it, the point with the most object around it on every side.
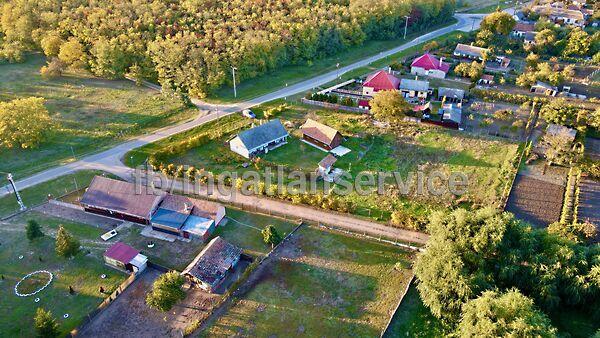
(562, 15)
(260, 139)
(414, 89)
(124, 257)
(521, 28)
(452, 113)
(450, 95)
(212, 264)
(470, 52)
(320, 135)
(326, 164)
(121, 200)
(379, 81)
(187, 217)
(486, 80)
(429, 65)
(543, 88)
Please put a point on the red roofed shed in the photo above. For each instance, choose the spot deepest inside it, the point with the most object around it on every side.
(120, 255)
(378, 81)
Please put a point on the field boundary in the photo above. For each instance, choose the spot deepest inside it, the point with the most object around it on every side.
(410, 282)
(105, 303)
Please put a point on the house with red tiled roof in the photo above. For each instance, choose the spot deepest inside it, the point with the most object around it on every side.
(379, 81)
(429, 65)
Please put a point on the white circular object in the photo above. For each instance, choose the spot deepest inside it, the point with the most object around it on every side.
(103, 276)
(66, 315)
(21, 257)
(36, 300)
(151, 245)
(38, 290)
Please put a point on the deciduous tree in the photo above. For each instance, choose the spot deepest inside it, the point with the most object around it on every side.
(23, 122)
(389, 105)
(166, 291)
(271, 235)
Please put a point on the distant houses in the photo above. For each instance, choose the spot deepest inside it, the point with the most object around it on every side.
(320, 135)
(470, 52)
(429, 65)
(544, 89)
(260, 139)
(208, 270)
(562, 15)
(414, 89)
(378, 81)
(450, 95)
(521, 28)
(174, 215)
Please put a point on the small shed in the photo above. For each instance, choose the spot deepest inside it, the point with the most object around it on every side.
(124, 257)
(326, 164)
(320, 135)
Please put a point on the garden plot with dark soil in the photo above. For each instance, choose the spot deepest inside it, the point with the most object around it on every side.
(588, 208)
(535, 201)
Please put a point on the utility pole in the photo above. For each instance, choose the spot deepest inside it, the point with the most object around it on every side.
(233, 74)
(406, 26)
(19, 200)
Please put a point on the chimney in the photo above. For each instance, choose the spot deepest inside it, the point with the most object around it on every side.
(389, 70)
(187, 207)
(441, 59)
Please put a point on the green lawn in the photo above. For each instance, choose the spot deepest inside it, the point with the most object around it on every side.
(88, 114)
(292, 74)
(413, 319)
(82, 273)
(243, 229)
(330, 285)
(39, 194)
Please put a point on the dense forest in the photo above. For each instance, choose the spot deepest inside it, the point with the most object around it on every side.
(189, 46)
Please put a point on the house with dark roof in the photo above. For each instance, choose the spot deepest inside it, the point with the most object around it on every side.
(429, 65)
(379, 81)
(121, 200)
(212, 264)
(470, 52)
(187, 217)
(544, 89)
(260, 139)
(450, 95)
(529, 38)
(124, 257)
(486, 80)
(452, 113)
(320, 135)
(414, 89)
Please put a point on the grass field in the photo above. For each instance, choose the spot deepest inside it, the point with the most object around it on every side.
(413, 319)
(39, 194)
(291, 74)
(82, 273)
(329, 285)
(88, 114)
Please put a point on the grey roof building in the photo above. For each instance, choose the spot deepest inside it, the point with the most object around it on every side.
(259, 139)
(451, 95)
(212, 264)
(416, 85)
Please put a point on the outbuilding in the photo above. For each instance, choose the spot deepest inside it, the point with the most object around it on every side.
(320, 135)
(260, 139)
(124, 257)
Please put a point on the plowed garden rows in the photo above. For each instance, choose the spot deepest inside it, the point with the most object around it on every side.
(536, 201)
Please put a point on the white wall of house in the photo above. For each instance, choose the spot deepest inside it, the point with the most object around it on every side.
(432, 72)
(238, 147)
(368, 91)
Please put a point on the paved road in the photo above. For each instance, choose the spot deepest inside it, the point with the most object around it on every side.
(110, 160)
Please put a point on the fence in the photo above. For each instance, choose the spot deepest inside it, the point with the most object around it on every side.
(106, 302)
(387, 327)
(332, 106)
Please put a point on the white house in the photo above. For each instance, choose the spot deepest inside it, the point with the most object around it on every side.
(260, 139)
(429, 65)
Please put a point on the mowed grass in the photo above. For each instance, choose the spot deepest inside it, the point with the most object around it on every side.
(244, 230)
(88, 114)
(329, 285)
(39, 193)
(82, 273)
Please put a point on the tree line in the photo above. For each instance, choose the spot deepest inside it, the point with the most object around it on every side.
(189, 46)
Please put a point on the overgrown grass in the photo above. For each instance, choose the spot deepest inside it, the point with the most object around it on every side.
(88, 114)
(413, 319)
(330, 285)
(82, 273)
(39, 194)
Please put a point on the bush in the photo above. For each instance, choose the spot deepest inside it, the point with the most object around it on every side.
(33, 230)
(166, 291)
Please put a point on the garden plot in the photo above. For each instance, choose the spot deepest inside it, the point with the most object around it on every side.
(498, 119)
(325, 284)
(19, 257)
(536, 201)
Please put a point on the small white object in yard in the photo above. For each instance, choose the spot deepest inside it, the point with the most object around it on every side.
(151, 245)
(37, 300)
(66, 315)
(103, 276)
(21, 257)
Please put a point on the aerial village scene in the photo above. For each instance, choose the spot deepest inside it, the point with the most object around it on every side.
(299, 168)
